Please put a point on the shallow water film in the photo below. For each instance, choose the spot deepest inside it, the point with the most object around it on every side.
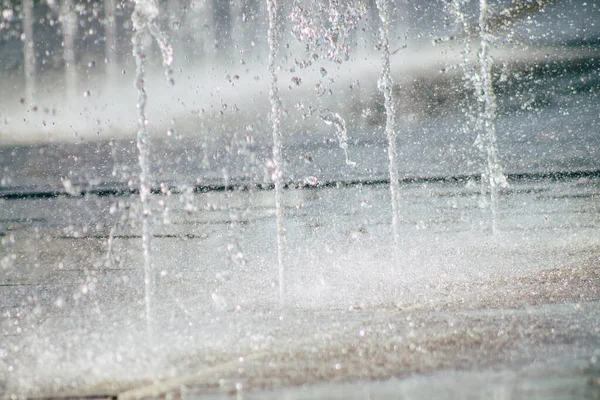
(300, 199)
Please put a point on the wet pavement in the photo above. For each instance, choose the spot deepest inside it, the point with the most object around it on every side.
(517, 311)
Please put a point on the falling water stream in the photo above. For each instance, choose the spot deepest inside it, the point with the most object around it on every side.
(385, 85)
(144, 22)
(277, 173)
(66, 309)
(482, 116)
(493, 177)
(335, 119)
(328, 39)
(142, 145)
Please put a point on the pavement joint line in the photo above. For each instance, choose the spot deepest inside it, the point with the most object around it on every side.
(158, 236)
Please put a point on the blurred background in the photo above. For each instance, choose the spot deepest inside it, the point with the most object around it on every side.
(67, 75)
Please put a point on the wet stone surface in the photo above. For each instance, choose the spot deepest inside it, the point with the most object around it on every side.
(458, 300)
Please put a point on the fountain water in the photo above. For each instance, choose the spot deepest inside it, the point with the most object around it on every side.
(482, 116)
(471, 299)
(142, 144)
(329, 39)
(331, 118)
(493, 176)
(385, 84)
(144, 23)
(277, 168)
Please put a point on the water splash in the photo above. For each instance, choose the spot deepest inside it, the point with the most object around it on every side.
(473, 109)
(331, 118)
(385, 85)
(493, 175)
(144, 22)
(455, 9)
(327, 38)
(481, 116)
(277, 174)
(330, 37)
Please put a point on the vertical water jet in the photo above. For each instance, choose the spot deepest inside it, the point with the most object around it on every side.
(143, 19)
(142, 145)
(385, 84)
(481, 116)
(493, 175)
(277, 174)
(455, 9)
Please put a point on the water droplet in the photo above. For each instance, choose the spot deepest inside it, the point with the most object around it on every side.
(7, 14)
(59, 302)
(311, 181)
